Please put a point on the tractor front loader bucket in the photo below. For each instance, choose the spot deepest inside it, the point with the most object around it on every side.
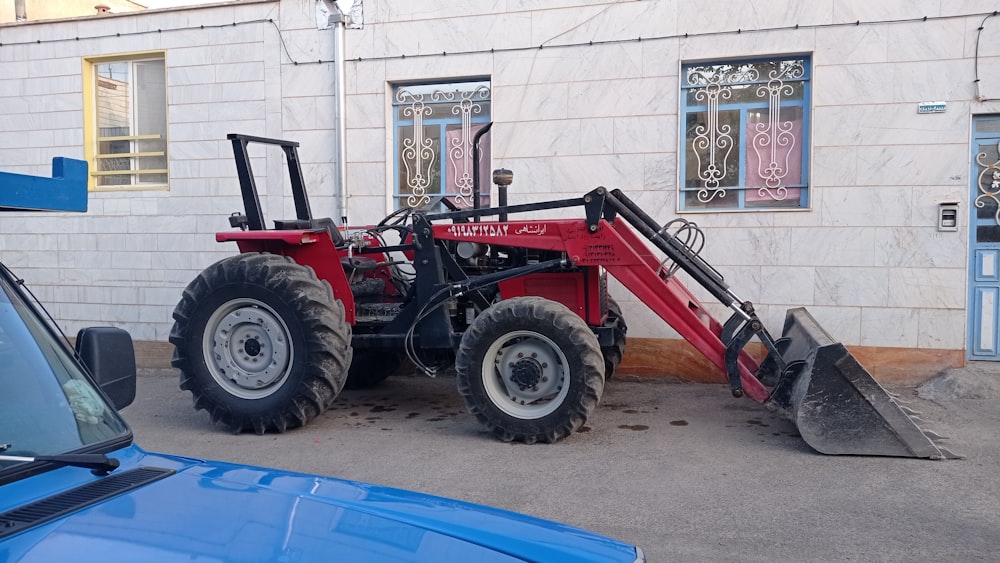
(836, 404)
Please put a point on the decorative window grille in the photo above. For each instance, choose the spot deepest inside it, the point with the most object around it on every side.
(986, 171)
(131, 120)
(434, 128)
(745, 134)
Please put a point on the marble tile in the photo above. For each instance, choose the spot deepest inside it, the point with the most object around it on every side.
(916, 165)
(936, 288)
(13, 70)
(186, 113)
(865, 206)
(238, 92)
(747, 247)
(235, 110)
(366, 77)
(645, 134)
(659, 179)
(857, 287)
(918, 247)
(44, 86)
(535, 101)
(368, 179)
(188, 75)
(597, 136)
(457, 36)
(537, 139)
(825, 246)
(644, 323)
(922, 41)
(580, 174)
(321, 180)
(220, 16)
(840, 84)
(947, 80)
(852, 45)
(187, 150)
(366, 210)
(661, 58)
(407, 11)
(315, 145)
(607, 21)
(312, 112)
(888, 124)
(576, 64)
(252, 71)
(59, 65)
(987, 39)
(889, 327)
(865, 11)
(434, 69)
(51, 103)
(727, 46)
(191, 94)
(307, 80)
(624, 97)
(307, 46)
(941, 329)
(366, 145)
(989, 85)
(787, 285)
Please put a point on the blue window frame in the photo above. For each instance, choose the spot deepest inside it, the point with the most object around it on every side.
(433, 129)
(745, 133)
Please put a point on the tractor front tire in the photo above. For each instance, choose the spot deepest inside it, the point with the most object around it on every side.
(530, 370)
(613, 354)
(261, 343)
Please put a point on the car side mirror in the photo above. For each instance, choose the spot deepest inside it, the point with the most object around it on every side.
(108, 354)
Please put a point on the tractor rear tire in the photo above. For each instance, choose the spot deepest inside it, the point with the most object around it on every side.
(613, 354)
(261, 343)
(371, 367)
(530, 370)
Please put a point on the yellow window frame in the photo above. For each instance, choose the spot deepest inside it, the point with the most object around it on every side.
(90, 136)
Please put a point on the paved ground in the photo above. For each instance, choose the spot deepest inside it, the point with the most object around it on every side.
(683, 470)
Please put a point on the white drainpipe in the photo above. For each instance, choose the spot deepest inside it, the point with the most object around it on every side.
(340, 131)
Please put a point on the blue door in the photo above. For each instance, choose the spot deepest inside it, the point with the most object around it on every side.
(984, 245)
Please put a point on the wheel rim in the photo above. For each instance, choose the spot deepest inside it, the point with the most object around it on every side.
(247, 348)
(525, 375)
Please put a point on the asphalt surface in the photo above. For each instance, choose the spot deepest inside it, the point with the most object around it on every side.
(683, 470)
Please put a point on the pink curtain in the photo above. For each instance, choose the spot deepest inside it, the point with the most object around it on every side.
(786, 166)
(457, 168)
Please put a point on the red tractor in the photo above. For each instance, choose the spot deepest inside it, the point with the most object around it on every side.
(265, 340)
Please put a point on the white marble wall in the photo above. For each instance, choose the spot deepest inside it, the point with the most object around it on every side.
(568, 115)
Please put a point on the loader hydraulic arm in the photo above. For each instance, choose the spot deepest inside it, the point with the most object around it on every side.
(740, 328)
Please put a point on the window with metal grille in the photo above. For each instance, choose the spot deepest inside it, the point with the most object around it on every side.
(130, 124)
(434, 126)
(745, 134)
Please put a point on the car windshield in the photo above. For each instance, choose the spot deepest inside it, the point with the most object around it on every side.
(47, 406)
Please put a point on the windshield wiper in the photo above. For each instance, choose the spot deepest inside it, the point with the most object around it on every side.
(99, 464)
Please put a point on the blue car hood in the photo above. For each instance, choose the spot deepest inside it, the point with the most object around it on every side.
(213, 511)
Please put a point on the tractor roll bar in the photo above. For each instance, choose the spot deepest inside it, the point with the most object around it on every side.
(251, 200)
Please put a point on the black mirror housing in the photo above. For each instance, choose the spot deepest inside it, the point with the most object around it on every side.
(109, 355)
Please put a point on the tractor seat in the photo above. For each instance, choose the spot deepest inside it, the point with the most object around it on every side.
(331, 227)
(311, 224)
